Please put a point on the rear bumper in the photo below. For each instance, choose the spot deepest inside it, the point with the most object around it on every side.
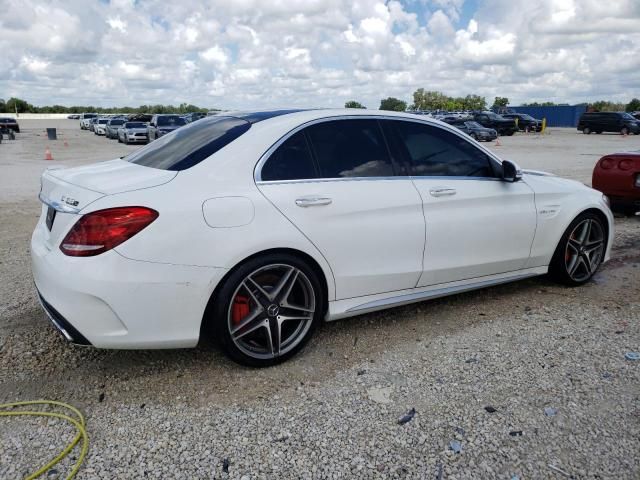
(109, 301)
(67, 330)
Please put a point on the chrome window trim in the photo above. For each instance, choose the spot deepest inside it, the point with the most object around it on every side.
(360, 179)
(265, 156)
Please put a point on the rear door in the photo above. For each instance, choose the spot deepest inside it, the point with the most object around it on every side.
(335, 182)
(476, 224)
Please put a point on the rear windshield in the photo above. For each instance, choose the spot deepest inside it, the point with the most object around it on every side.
(103, 120)
(164, 121)
(135, 125)
(116, 122)
(191, 144)
(8, 120)
(89, 115)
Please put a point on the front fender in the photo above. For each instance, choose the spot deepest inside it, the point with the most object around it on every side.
(558, 203)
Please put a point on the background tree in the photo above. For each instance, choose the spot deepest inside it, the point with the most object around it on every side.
(432, 100)
(500, 102)
(474, 102)
(607, 106)
(633, 105)
(393, 104)
(353, 104)
(19, 105)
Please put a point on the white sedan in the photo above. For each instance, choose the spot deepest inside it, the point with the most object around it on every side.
(253, 228)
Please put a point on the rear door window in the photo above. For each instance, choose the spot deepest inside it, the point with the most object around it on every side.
(291, 161)
(191, 144)
(350, 148)
(434, 151)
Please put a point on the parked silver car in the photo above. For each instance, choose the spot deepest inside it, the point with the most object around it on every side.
(162, 124)
(111, 130)
(133, 132)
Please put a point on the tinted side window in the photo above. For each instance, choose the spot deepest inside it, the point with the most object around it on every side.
(434, 151)
(350, 148)
(291, 161)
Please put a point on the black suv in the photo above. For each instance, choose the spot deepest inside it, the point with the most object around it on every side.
(600, 122)
(504, 126)
(525, 122)
(7, 123)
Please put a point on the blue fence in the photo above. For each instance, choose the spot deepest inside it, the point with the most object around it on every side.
(560, 116)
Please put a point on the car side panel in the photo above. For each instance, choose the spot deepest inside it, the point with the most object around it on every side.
(558, 202)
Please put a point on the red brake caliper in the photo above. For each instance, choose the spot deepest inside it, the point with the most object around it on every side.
(240, 308)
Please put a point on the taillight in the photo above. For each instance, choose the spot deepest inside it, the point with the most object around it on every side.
(607, 163)
(625, 164)
(99, 231)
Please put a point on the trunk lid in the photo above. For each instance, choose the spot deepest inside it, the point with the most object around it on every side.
(111, 177)
(69, 190)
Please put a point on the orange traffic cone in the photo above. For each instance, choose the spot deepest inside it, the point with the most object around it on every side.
(498, 144)
(47, 154)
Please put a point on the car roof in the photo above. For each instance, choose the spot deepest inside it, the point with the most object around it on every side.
(298, 116)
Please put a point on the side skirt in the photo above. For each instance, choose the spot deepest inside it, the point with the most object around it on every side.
(356, 306)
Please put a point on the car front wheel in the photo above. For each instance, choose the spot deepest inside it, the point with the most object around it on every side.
(586, 130)
(580, 251)
(624, 131)
(268, 309)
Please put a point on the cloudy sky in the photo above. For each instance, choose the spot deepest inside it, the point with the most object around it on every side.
(265, 53)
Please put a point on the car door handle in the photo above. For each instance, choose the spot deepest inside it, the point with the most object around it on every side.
(312, 201)
(442, 191)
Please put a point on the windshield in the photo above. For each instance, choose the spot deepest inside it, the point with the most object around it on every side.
(473, 125)
(135, 125)
(187, 146)
(103, 120)
(494, 116)
(171, 121)
(116, 122)
(628, 116)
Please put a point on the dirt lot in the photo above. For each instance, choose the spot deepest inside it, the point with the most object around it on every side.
(331, 412)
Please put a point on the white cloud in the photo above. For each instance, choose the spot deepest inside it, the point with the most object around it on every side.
(254, 54)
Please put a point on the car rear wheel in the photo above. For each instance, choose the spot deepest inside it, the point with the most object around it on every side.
(586, 130)
(580, 251)
(268, 309)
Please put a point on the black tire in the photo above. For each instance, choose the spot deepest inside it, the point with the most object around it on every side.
(474, 136)
(220, 318)
(586, 130)
(624, 131)
(599, 132)
(564, 254)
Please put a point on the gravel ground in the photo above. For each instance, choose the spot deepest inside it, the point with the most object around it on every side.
(530, 379)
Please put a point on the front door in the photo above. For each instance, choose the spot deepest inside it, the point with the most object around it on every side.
(476, 224)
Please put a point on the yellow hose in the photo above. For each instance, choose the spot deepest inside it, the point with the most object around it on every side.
(78, 422)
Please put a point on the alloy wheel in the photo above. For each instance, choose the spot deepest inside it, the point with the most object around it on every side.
(271, 311)
(584, 250)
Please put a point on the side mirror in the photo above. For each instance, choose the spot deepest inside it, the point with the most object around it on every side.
(510, 171)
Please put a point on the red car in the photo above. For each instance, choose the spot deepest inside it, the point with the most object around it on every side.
(618, 177)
